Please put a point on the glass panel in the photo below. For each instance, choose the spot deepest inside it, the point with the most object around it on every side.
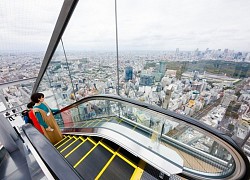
(201, 152)
(179, 59)
(92, 56)
(16, 95)
(56, 83)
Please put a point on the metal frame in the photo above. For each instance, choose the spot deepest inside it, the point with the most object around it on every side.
(61, 24)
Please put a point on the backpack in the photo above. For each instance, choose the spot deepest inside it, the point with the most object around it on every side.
(26, 117)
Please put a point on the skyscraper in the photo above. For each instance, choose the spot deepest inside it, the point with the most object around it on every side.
(128, 73)
(146, 80)
(162, 68)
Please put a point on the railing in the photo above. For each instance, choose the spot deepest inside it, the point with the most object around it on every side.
(213, 154)
(46, 154)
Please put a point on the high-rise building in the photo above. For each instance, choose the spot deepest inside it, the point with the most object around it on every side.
(128, 73)
(146, 80)
(158, 87)
(167, 98)
(162, 67)
(177, 52)
(196, 73)
(227, 98)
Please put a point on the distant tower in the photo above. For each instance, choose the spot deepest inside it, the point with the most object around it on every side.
(146, 80)
(167, 98)
(196, 73)
(158, 87)
(162, 68)
(177, 51)
(76, 86)
(128, 73)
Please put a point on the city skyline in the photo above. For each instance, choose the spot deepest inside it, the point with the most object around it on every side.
(42, 53)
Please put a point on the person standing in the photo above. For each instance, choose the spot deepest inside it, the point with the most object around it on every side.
(46, 119)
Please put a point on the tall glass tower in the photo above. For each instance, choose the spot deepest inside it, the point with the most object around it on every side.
(128, 73)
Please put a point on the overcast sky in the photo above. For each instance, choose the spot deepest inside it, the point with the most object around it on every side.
(142, 25)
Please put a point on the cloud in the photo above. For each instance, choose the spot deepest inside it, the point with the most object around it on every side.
(27, 25)
(142, 24)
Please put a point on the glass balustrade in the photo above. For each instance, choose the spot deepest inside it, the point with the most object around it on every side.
(202, 152)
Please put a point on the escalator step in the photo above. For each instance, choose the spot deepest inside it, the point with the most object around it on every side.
(79, 152)
(70, 148)
(125, 124)
(96, 139)
(118, 169)
(129, 156)
(66, 144)
(61, 142)
(151, 173)
(110, 144)
(90, 167)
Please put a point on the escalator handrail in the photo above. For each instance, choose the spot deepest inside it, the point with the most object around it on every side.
(227, 141)
(185, 119)
(57, 164)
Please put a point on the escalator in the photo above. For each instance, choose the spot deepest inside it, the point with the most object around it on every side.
(117, 132)
(99, 158)
(110, 145)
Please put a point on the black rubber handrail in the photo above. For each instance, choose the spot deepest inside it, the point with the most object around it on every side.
(57, 164)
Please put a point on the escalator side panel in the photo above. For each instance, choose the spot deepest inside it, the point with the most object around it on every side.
(90, 167)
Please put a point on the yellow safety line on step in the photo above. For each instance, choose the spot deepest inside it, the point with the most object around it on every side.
(85, 155)
(68, 146)
(126, 160)
(135, 127)
(75, 148)
(120, 121)
(97, 122)
(93, 142)
(61, 140)
(105, 167)
(138, 171)
(93, 121)
(64, 143)
(82, 138)
(106, 147)
(85, 123)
